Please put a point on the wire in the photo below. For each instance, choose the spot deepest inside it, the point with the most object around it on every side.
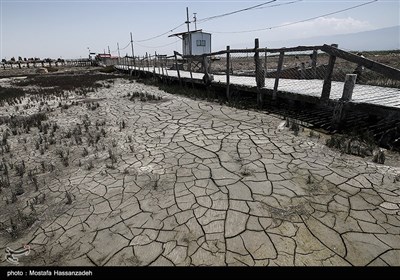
(157, 46)
(259, 6)
(296, 22)
(116, 51)
(125, 46)
(277, 5)
(235, 12)
(155, 37)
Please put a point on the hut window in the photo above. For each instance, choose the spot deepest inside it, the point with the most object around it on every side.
(200, 42)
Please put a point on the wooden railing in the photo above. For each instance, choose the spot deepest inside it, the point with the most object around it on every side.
(328, 69)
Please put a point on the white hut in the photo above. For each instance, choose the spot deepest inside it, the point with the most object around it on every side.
(194, 42)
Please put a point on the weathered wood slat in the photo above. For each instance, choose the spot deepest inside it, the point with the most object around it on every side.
(383, 99)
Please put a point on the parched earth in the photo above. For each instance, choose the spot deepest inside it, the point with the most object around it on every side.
(184, 182)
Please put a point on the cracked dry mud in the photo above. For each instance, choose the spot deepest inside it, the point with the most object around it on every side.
(197, 183)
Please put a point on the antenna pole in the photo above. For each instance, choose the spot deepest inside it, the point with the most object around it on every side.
(195, 19)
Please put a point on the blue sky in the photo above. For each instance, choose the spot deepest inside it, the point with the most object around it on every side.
(68, 28)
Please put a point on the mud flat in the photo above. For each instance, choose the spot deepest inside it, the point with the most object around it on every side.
(121, 173)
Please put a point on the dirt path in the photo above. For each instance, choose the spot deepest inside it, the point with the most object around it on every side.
(185, 182)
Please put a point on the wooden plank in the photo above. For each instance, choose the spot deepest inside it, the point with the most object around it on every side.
(382, 98)
(383, 69)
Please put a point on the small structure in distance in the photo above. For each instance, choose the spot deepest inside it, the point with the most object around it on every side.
(105, 59)
(194, 42)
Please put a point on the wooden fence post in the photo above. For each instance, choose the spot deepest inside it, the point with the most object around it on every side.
(314, 64)
(348, 87)
(228, 62)
(278, 73)
(177, 68)
(166, 66)
(260, 74)
(154, 66)
(302, 70)
(339, 112)
(265, 64)
(326, 89)
(190, 71)
(161, 58)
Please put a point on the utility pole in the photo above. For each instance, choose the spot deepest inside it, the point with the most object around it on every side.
(187, 19)
(133, 54)
(109, 50)
(118, 53)
(188, 27)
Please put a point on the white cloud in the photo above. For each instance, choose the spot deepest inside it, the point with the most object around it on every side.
(322, 26)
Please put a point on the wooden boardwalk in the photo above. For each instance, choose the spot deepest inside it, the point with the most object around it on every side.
(362, 94)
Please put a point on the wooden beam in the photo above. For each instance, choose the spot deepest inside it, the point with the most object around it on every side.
(383, 69)
(276, 50)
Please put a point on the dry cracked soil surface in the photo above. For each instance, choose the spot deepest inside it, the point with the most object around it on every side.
(120, 181)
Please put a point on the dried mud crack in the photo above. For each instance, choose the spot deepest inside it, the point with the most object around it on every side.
(125, 174)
